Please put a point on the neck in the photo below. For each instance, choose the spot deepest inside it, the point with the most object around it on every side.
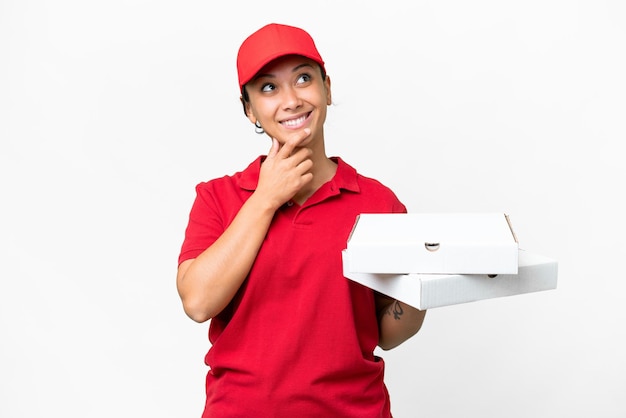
(323, 171)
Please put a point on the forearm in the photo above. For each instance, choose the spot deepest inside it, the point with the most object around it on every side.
(397, 323)
(208, 283)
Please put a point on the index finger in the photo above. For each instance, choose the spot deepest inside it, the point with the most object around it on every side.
(293, 142)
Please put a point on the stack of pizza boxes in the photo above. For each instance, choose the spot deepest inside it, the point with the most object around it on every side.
(429, 260)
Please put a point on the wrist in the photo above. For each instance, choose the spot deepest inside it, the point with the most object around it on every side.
(263, 205)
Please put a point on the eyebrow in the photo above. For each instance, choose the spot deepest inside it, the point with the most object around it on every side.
(295, 69)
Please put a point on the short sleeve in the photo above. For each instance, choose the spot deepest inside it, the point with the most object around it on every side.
(205, 224)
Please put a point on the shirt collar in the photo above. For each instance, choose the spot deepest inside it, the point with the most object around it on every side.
(346, 176)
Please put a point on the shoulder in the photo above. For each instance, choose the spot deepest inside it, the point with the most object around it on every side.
(351, 175)
(370, 188)
(373, 184)
(245, 179)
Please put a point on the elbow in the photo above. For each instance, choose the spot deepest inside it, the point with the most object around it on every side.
(196, 307)
(195, 311)
(386, 346)
(391, 343)
(197, 316)
(392, 336)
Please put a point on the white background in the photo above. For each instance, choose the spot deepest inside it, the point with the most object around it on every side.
(111, 112)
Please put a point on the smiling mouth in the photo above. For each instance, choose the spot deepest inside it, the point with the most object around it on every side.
(295, 123)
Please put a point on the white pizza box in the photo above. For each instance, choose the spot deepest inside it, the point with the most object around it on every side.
(426, 291)
(433, 243)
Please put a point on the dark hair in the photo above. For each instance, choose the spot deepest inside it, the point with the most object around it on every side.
(245, 98)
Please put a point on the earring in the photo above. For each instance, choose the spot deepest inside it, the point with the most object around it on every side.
(258, 128)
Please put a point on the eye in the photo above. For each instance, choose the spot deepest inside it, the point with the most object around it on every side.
(303, 78)
(267, 87)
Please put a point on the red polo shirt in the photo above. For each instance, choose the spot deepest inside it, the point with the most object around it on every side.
(298, 338)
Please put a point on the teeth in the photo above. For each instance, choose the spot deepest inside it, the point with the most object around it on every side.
(294, 122)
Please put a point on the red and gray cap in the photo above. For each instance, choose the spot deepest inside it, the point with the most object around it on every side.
(270, 42)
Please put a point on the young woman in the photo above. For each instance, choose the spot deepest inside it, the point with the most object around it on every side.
(290, 335)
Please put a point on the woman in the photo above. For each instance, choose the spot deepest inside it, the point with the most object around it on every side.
(290, 335)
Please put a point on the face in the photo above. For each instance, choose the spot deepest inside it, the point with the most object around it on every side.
(289, 94)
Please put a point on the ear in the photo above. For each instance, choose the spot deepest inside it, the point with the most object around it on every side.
(329, 96)
(247, 110)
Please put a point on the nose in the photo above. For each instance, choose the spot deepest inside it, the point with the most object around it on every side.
(290, 98)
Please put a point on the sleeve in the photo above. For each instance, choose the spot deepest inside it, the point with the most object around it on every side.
(205, 224)
(391, 201)
(398, 206)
